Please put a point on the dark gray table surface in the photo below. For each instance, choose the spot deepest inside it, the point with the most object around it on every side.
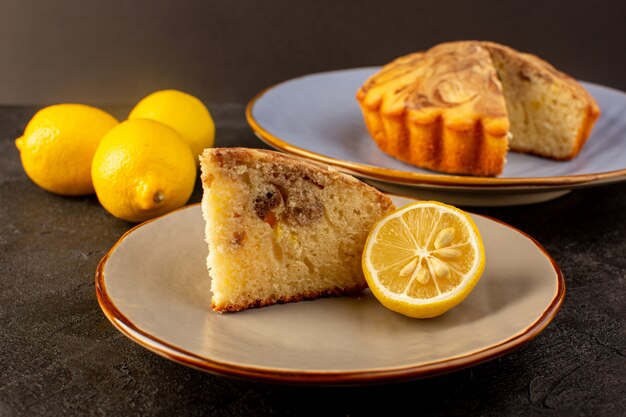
(60, 356)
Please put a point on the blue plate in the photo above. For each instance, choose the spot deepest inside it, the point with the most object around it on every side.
(318, 117)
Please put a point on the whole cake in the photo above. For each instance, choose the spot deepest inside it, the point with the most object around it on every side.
(460, 106)
(282, 229)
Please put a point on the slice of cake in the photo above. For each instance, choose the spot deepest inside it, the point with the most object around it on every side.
(282, 229)
(459, 107)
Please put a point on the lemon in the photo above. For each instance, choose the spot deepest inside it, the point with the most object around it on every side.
(183, 112)
(142, 169)
(58, 145)
(423, 259)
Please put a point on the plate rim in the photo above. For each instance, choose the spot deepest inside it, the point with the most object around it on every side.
(303, 377)
(408, 177)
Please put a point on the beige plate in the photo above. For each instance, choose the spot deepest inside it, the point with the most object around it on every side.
(154, 287)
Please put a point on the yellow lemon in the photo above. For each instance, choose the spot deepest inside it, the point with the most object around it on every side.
(58, 145)
(423, 259)
(142, 169)
(183, 112)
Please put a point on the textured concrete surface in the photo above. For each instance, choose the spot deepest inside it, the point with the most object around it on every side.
(59, 355)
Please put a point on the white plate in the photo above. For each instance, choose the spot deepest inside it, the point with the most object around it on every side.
(317, 116)
(154, 287)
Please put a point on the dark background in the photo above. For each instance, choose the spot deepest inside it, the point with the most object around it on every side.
(117, 51)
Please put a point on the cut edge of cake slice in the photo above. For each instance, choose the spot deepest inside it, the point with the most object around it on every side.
(283, 229)
(550, 113)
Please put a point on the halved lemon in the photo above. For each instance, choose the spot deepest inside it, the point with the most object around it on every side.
(423, 259)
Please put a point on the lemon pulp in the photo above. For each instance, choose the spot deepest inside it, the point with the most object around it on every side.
(423, 259)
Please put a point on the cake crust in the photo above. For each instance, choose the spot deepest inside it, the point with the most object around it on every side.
(318, 173)
(284, 299)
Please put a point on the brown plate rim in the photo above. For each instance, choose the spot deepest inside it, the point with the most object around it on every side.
(176, 354)
(415, 178)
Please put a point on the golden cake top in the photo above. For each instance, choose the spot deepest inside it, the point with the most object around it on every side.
(456, 79)
(457, 82)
